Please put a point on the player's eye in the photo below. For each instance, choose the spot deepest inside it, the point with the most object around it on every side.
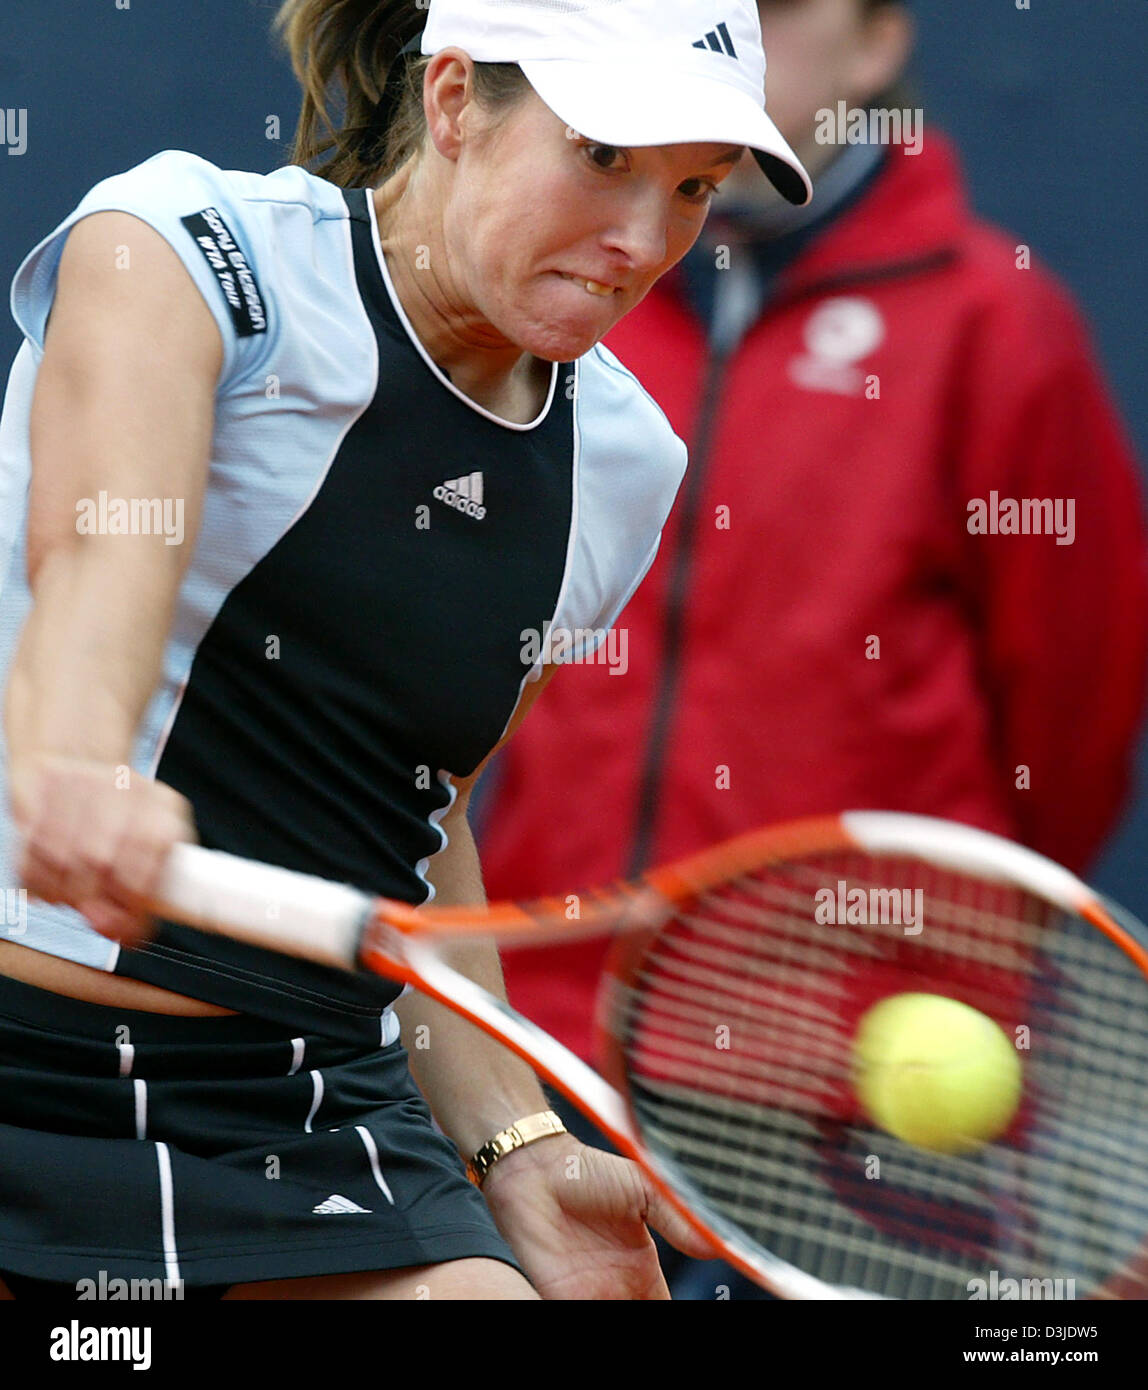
(605, 157)
(697, 190)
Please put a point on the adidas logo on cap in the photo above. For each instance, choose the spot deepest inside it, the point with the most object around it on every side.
(463, 494)
(719, 40)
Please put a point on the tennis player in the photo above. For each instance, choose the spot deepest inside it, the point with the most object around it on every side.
(306, 457)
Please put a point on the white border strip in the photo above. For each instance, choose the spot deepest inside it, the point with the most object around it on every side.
(373, 1155)
(316, 1099)
(167, 1215)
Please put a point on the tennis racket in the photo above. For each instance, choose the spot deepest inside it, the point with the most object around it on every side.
(732, 992)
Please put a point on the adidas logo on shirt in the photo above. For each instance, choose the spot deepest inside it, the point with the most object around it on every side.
(463, 494)
(719, 40)
(336, 1204)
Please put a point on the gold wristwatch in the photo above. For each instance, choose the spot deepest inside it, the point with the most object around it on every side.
(522, 1132)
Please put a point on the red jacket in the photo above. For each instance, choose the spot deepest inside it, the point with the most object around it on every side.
(851, 440)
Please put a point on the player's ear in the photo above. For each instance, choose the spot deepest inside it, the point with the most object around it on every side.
(448, 92)
(882, 53)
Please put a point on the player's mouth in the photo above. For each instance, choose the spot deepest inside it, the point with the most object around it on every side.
(594, 287)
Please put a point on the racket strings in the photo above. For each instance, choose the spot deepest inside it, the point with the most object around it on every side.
(959, 1182)
(737, 1034)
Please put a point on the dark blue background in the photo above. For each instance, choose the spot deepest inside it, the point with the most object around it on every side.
(1047, 106)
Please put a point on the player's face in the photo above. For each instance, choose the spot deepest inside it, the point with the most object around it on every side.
(556, 237)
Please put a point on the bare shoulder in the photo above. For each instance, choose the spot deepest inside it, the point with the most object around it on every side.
(121, 284)
(132, 357)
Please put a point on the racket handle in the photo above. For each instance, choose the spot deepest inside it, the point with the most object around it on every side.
(277, 909)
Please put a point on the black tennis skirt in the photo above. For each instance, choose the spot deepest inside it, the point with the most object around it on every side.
(207, 1152)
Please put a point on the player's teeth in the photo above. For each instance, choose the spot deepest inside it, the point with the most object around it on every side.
(594, 287)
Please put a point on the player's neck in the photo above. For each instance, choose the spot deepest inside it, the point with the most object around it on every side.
(478, 361)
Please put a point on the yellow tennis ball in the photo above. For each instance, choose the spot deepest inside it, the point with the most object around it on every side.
(936, 1073)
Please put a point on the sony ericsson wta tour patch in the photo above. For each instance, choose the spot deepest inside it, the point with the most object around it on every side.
(221, 252)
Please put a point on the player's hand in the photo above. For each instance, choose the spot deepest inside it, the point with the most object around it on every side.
(577, 1219)
(95, 837)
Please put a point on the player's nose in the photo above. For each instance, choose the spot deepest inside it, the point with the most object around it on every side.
(640, 235)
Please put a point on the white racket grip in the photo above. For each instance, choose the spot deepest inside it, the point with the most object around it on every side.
(263, 905)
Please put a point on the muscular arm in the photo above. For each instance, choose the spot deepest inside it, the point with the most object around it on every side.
(584, 1238)
(474, 1085)
(123, 404)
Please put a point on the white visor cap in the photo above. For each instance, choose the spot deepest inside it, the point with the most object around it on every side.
(634, 72)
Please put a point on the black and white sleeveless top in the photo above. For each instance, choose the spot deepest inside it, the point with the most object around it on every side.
(382, 566)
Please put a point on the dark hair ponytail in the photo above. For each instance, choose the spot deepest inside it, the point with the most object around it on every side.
(345, 50)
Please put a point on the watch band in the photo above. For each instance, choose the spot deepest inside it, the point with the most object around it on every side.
(517, 1136)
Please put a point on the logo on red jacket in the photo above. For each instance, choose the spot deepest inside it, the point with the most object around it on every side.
(839, 334)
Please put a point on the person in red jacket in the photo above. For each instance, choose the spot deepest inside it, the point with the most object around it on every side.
(907, 568)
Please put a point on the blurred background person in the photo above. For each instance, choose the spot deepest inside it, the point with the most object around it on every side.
(841, 615)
